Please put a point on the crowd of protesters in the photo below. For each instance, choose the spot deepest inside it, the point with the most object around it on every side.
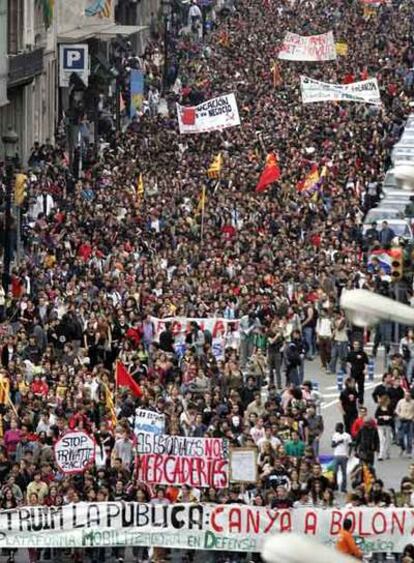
(101, 262)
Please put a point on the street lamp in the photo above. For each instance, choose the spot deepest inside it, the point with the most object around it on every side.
(10, 140)
(166, 12)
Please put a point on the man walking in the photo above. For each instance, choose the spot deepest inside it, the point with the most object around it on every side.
(405, 413)
(341, 441)
(358, 362)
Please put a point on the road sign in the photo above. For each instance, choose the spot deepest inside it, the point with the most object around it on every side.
(73, 58)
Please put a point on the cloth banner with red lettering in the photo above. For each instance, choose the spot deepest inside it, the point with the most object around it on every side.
(312, 48)
(181, 460)
(224, 332)
(199, 526)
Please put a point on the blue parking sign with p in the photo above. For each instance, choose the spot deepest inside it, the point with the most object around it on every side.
(73, 58)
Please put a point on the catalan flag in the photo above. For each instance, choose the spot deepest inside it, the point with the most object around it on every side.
(215, 167)
(109, 403)
(140, 187)
(102, 8)
(202, 202)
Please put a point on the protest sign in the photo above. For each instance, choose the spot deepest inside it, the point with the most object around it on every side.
(243, 465)
(178, 460)
(366, 91)
(312, 48)
(74, 452)
(223, 332)
(212, 115)
(148, 422)
(196, 526)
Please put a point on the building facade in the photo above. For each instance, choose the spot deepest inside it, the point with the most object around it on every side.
(31, 76)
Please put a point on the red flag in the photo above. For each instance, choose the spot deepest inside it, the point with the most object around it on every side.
(271, 173)
(124, 379)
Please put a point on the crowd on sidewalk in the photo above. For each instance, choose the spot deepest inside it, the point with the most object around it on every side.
(103, 263)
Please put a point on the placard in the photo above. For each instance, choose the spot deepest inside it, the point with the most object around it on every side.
(148, 422)
(74, 452)
(243, 465)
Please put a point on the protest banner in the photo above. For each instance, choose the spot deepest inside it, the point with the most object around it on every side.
(312, 48)
(178, 460)
(196, 526)
(74, 452)
(366, 91)
(243, 465)
(213, 115)
(223, 332)
(148, 422)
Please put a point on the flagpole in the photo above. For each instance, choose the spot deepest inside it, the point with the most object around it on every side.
(203, 196)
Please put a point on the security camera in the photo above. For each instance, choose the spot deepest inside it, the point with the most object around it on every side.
(405, 174)
(364, 308)
(295, 548)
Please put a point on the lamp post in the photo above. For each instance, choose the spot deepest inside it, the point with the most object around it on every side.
(10, 140)
(166, 12)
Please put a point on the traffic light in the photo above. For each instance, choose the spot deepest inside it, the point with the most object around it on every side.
(20, 189)
(397, 264)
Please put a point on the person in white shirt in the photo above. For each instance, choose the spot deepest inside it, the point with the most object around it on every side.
(324, 338)
(341, 441)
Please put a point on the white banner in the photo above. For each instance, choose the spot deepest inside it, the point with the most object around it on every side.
(224, 332)
(366, 91)
(231, 527)
(148, 422)
(212, 115)
(313, 48)
(74, 452)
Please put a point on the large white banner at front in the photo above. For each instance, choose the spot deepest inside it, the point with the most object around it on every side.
(207, 527)
(212, 115)
(366, 91)
(312, 48)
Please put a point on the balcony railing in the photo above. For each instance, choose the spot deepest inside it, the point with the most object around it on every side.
(24, 66)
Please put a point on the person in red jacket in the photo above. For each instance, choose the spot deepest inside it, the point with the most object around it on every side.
(359, 422)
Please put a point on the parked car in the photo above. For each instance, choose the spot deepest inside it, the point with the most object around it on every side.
(390, 181)
(381, 213)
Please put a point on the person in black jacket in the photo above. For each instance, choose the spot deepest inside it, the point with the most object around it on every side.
(294, 354)
(367, 441)
(348, 400)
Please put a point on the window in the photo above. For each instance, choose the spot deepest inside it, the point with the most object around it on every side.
(15, 22)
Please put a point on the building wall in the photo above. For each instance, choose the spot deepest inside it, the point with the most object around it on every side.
(3, 52)
(32, 107)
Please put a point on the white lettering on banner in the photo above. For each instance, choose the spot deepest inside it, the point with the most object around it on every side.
(148, 422)
(212, 115)
(197, 526)
(74, 452)
(366, 91)
(313, 48)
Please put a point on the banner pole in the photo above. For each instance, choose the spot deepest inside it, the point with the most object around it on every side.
(203, 212)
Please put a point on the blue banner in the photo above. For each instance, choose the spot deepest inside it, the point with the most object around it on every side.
(137, 91)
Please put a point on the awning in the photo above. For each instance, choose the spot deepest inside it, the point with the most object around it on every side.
(116, 29)
(99, 31)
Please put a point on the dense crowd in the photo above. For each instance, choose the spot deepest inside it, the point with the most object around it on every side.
(101, 264)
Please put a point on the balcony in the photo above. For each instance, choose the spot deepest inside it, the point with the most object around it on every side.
(25, 66)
